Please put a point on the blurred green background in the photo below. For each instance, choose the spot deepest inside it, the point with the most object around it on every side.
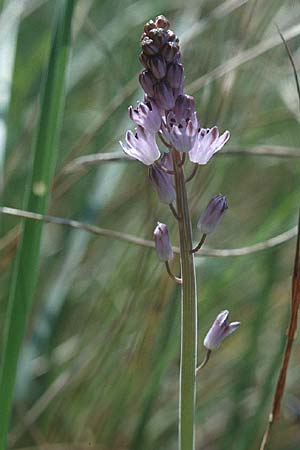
(100, 361)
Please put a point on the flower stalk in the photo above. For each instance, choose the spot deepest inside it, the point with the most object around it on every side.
(171, 274)
(188, 357)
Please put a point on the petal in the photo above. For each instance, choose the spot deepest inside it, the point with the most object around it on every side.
(231, 328)
(143, 147)
(222, 140)
(222, 317)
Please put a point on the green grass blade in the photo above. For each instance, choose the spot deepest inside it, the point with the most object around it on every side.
(45, 154)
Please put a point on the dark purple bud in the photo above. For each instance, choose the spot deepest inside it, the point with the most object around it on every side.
(164, 95)
(169, 51)
(147, 81)
(149, 47)
(162, 242)
(149, 26)
(163, 184)
(144, 59)
(158, 67)
(159, 36)
(167, 161)
(212, 215)
(178, 91)
(219, 330)
(184, 107)
(162, 22)
(172, 36)
(175, 75)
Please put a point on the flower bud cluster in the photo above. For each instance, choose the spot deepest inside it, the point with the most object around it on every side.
(166, 109)
(163, 77)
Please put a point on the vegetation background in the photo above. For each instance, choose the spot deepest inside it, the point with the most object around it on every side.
(100, 360)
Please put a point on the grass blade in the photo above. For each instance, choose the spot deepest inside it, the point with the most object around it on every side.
(275, 414)
(27, 262)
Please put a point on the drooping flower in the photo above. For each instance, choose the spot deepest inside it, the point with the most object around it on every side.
(141, 146)
(162, 183)
(162, 242)
(147, 115)
(219, 330)
(208, 142)
(212, 214)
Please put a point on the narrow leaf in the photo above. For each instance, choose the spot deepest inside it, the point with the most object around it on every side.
(26, 267)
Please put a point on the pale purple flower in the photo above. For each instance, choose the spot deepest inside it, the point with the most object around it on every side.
(162, 183)
(162, 242)
(180, 127)
(219, 330)
(212, 214)
(147, 115)
(141, 146)
(208, 142)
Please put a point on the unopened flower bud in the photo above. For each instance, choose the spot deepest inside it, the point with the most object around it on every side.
(184, 107)
(212, 215)
(175, 75)
(162, 242)
(172, 36)
(149, 47)
(163, 184)
(164, 95)
(144, 59)
(219, 330)
(159, 36)
(162, 22)
(169, 51)
(147, 81)
(158, 67)
(149, 26)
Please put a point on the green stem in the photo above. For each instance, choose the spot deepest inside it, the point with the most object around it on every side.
(188, 315)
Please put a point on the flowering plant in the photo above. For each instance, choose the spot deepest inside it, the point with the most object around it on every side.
(168, 114)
